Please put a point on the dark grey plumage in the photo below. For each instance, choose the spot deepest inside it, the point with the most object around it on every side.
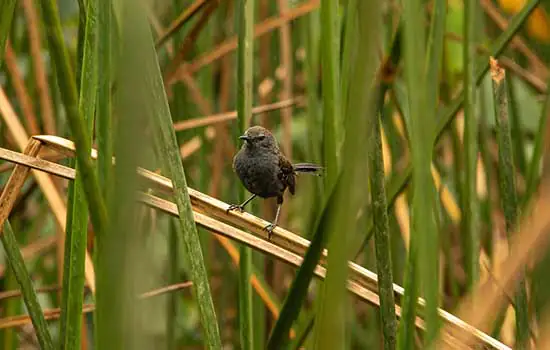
(265, 171)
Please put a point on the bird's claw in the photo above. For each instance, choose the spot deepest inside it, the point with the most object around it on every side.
(269, 228)
(236, 207)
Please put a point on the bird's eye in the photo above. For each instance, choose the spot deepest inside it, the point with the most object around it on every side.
(260, 137)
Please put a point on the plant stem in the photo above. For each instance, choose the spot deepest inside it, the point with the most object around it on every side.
(508, 195)
(244, 111)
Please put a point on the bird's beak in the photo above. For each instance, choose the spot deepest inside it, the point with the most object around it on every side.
(244, 137)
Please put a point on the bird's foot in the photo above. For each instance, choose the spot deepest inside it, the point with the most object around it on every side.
(269, 228)
(236, 207)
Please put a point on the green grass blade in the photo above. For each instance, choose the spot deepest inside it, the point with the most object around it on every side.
(105, 130)
(310, 30)
(332, 136)
(179, 103)
(485, 140)
(10, 308)
(508, 195)
(311, 33)
(245, 67)
(80, 43)
(470, 205)
(7, 10)
(172, 306)
(77, 213)
(406, 329)
(533, 172)
(332, 125)
(332, 141)
(120, 316)
(429, 252)
(435, 51)
(349, 52)
(382, 234)
(540, 284)
(350, 193)
(17, 264)
(424, 245)
(516, 126)
(66, 81)
(171, 162)
(106, 311)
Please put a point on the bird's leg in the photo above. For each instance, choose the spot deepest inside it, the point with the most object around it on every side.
(269, 228)
(240, 207)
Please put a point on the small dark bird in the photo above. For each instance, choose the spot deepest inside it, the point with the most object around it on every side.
(265, 171)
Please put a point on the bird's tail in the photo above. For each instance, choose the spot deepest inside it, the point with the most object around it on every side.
(308, 168)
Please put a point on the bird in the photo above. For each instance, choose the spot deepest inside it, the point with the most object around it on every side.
(265, 171)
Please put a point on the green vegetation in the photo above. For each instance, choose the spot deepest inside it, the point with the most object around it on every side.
(434, 163)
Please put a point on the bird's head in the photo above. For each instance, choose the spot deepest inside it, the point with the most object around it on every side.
(259, 137)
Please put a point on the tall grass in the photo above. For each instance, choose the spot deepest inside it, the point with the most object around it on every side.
(507, 183)
(77, 213)
(8, 8)
(387, 99)
(470, 202)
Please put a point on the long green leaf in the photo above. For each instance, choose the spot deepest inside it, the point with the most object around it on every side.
(349, 52)
(172, 165)
(172, 306)
(508, 195)
(107, 314)
(470, 205)
(533, 172)
(332, 137)
(66, 81)
(119, 318)
(423, 252)
(332, 126)
(17, 264)
(351, 190)
(435, 51)
(517, 129)
(312, 36)
(310, 30)
(540, 283)
(7, 9)
(382, 233)
(77, 215)
(107, 317)
(10, 307)
(104, 123)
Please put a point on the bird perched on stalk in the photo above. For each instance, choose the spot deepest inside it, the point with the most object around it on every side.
(265, 171)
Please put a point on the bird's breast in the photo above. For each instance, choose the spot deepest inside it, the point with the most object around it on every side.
(259, 173)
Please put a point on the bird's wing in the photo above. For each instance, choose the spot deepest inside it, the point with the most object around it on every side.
(287, 173)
